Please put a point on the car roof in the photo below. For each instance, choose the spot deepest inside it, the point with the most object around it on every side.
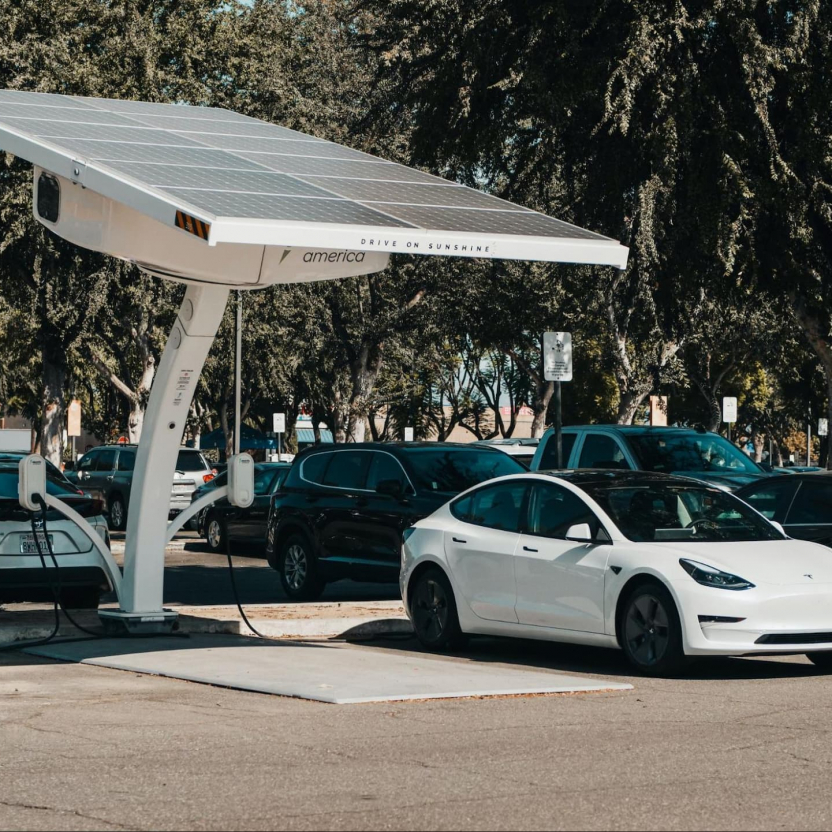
(634, 429)
(397, 446)
(776, 478)
(615, 476)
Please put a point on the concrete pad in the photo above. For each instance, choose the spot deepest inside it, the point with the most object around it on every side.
(338, 674)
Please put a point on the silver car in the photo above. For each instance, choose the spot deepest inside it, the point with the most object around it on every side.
(81, 575)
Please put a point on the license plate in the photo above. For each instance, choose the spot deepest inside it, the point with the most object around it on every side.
(29, 547)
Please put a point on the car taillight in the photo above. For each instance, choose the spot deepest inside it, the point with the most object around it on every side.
(208, 477)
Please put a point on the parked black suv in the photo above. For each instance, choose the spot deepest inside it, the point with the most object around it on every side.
(342, 510)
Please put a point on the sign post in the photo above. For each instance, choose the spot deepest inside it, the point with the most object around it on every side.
(729, 412)
(557, 367)
(279, 423)
(73, 424)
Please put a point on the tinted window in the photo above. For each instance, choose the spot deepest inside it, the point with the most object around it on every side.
(549, 458)
(384, 468)
(87, 462)
(451, 470)
(497, 506)
(771, 500)
(263, 479)
(313, 467)
(126, 460)
(661, 511)
(553, 510)
(190, 461)
(601, 451)
(813, 504)
(347, 469)
(692, 451)
(106, 461)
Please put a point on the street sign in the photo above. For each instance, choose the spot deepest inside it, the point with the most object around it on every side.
(73, 427)
(408, 434)
(279, 422)
(729, 409)
(557, 356)
(823, 427)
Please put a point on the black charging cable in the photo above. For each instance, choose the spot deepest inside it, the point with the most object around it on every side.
(234, 587)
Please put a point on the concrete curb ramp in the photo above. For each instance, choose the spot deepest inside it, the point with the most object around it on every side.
(332, 673)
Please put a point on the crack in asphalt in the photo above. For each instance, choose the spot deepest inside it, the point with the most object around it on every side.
(72, 812)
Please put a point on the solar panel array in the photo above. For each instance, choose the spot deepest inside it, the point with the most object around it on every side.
(224, 164)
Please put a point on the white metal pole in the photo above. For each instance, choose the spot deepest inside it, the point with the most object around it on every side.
(238, 366)
(809, 445)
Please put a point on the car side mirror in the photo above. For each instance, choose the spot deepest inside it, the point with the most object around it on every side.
(69, 465)
(779, 527)
(391, 488)
(580, 533)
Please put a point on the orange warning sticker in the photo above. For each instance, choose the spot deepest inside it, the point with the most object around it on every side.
(192, 225)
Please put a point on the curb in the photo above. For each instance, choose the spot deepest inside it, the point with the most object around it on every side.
(349, 629)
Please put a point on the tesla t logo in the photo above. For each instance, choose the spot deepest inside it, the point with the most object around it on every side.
(810, 577)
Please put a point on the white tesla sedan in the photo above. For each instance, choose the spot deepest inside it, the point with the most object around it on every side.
(662, 567)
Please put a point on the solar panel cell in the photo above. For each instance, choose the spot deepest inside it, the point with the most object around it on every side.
(41, 98)
(54, 115)
(337, 168)
(133, 134)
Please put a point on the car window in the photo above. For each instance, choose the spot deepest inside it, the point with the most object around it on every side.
(600, 451)
(451, 470)
(189, 461)
(496, 506)
(313, 467)
(689, 451)
(126, 460)
(384, 468)
(772, 499)
(279, 479)
(106, 460)
(670, 512)
(263, 479)
(347, 469)
(87, 462)
(549, 457)
(812, 505)
(553, 510)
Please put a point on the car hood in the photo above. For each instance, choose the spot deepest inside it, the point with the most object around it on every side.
(732, 480)
(774, 562)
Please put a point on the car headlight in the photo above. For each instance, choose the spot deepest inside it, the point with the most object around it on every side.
(710, 576)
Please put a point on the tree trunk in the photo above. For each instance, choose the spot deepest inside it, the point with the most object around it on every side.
(54, 409)
(364, 374)
(629, 404)
(545, 391)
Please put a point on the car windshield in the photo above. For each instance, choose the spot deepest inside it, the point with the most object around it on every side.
(190, 461)
(667, 512)
(452, 470)
(689, 451)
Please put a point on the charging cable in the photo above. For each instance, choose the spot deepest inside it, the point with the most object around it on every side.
(234, 587)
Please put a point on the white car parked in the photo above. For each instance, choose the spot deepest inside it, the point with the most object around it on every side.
(662, 567)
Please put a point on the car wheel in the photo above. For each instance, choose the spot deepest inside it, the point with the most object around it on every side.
(434, 613)
(118, 514)
(215, 534)
(81, 598)
(298, 568)
(821, 660)
(651, 633)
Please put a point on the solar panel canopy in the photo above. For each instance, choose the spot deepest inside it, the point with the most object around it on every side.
(226, 178)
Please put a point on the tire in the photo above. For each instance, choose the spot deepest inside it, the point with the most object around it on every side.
(118, 514)
(216, 534)
(298, 569)
(821, 660)
(650, 631)
(81, 598)
(434, 613)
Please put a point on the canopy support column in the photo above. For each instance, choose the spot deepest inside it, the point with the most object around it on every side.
(140, 602)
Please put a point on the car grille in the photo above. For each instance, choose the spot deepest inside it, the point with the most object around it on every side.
(795, 638)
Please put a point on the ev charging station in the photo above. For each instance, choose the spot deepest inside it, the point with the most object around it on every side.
(220, 201)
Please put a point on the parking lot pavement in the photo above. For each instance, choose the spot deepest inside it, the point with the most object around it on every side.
(741, 744)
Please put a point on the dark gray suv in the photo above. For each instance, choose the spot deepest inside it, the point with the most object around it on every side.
(107, 472)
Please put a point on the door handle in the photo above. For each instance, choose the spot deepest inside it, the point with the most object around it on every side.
(459, 540)
(529, 549)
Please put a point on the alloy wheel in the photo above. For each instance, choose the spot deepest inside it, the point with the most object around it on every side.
(430, 609)
(647, 630)
(296, 567)
(215, 534)
(117, 514)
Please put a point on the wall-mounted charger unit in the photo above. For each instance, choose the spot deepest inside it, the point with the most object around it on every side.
(241, 480)
(32, 482)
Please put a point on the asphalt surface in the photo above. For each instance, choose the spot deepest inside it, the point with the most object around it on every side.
(737, 744)
(742, 744)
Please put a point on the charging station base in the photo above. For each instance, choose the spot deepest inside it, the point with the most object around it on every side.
(119, 623)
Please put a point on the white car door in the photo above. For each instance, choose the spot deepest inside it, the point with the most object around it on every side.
(560, 583)
(480, 550)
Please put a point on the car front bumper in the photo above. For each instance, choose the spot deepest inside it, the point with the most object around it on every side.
(774, 619)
